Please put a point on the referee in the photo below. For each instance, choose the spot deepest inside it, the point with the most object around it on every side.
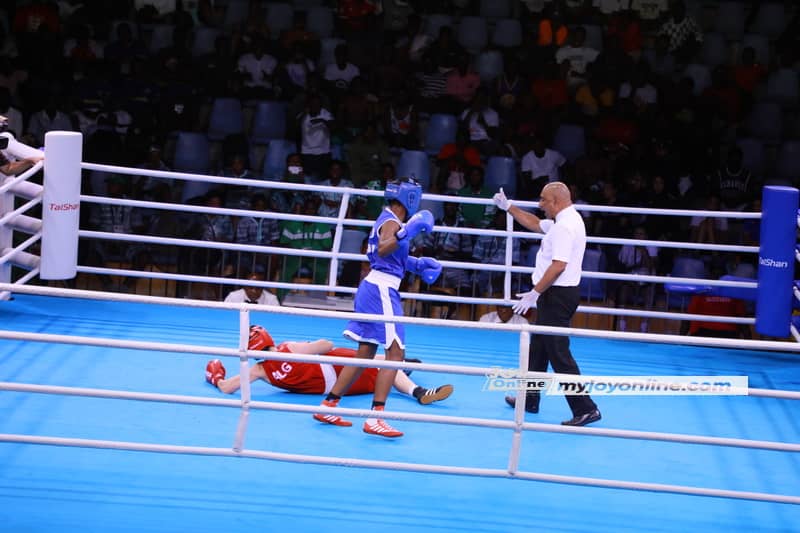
(556, 277)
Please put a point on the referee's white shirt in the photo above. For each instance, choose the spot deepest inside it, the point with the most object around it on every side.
(564, 240)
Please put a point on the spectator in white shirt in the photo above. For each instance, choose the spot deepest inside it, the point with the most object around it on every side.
(540, 166)
(579, 56)
(482, 122)
(640, 260)
(316, 125)
(252, 294)
(503, 314)
(48, 119)
(341, 72)
(257, 68)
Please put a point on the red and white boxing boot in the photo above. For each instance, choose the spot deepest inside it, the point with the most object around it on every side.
(215, 371)
(377, 426)
(335, 420)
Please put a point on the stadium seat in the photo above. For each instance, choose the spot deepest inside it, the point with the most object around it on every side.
(730, 19)
(352, 240)
(275, 159)
(594, 36)
(570, 141)
(715, 50)
(782, 87)
(236, 13)
(434, 23)
(279, 17)
(766, 122)
(269, 122)
(770, 20)
(507, 33)
(473, 34)
(740, 293)
(501, 172)
(700, 75)
(320, 21)
(204, 39)
(678, 294)
(415, 164)
(495, 9)
(160, 37)
(192, 153)
(753, 154)
(226, 118)
(788, 163)
(593, 288)
(489, 65)
(760, 44)
(441, 130)
(326, 49)
(434, 206)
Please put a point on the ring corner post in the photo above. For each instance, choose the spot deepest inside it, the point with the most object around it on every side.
(61, 204)
(776, 260)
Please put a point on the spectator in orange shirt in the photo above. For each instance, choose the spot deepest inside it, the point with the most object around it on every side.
(454, 159)
(748, 73)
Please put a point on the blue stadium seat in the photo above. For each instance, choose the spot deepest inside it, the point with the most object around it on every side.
(441, 130)
(753, 154)
(192, 152)
(236, 13)
(700, 75)
(770, 20)
(415, 163)
(593, 288)
(501, 172)
(326, 49)
(320, 21)
(495, 9)
(204, 39)
(279, 17)
(788, 163)
(160, 37)
(594, 36)
(782, 87)
(715, 50)
(507, 33)
(352, 240)
(489, 65)
(226, 118)
(473, 34)
(678, 294)
(570, 141)
(275, 159)
(434, 23)
(730, 19)
(748, 295)
(760, 44)
(269, 122)
(766, 122)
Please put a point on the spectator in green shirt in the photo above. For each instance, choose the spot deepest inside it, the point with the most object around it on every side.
(476, 215)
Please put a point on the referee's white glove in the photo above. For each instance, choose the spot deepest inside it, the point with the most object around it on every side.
(528, 300)
(501, 201)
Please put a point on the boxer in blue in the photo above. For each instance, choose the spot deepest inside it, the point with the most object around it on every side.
(387, 251)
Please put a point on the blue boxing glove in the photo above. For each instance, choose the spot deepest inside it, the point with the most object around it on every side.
(422, 222)
(428, 268)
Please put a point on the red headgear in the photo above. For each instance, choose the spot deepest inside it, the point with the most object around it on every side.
(259, 339)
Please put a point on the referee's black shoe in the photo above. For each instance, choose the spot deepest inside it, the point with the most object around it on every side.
(530, 407)
(584, 419)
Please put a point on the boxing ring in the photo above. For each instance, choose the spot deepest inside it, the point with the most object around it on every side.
(92, 380)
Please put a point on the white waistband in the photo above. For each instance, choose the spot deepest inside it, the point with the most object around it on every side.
(383, 279)
(329, 374)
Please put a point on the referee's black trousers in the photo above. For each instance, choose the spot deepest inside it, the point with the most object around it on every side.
(555, 307)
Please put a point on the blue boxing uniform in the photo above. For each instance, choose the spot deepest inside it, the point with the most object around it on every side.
(378, 293)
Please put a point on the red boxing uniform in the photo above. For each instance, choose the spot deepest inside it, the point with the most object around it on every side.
(315, 378)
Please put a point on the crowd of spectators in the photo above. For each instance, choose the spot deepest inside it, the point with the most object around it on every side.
(631, 103)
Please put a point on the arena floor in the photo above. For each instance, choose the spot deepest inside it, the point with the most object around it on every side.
(48, 488)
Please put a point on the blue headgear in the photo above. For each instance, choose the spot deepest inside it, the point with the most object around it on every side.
(407, 191)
